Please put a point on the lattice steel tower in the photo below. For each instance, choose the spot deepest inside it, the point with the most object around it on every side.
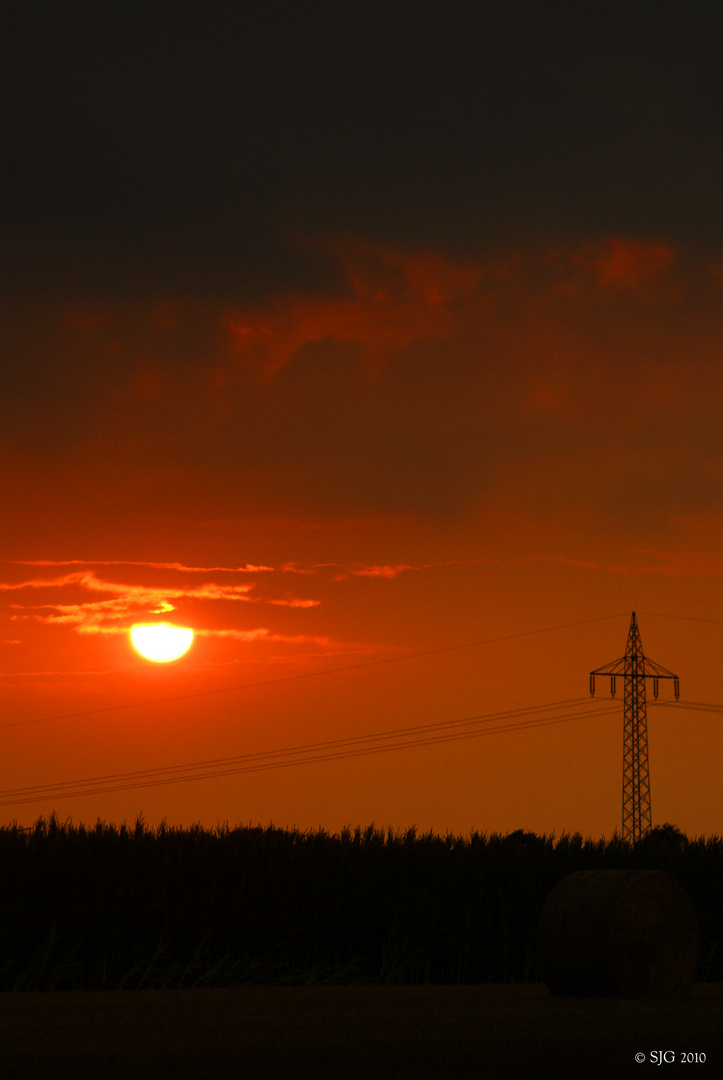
(635, 667)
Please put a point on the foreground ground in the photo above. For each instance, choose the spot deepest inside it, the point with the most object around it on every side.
(353, 1032)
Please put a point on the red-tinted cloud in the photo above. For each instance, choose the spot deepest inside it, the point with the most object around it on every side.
(248, 569)
(129, 601)
(394, 298)
(678, 564)
(627, 262)
(426, 385)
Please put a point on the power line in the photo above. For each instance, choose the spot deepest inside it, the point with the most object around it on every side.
(306, 747)
(685, 618)
(307, 674)
(360, 751)
(695, 706)
(331, 750)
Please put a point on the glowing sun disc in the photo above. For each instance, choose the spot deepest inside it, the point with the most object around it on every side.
(161, 642)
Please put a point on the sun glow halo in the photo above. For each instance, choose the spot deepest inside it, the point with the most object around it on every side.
(161, 642)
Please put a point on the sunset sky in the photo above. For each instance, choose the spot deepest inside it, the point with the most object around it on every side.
(383, 347)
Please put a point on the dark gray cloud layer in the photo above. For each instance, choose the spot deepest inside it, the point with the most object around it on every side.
(590, 387)
(169, 149)
(325, 261)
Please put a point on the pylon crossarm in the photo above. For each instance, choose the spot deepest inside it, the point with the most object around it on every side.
(646, 667)
(614, 668)
(636, 675)
(656, 670)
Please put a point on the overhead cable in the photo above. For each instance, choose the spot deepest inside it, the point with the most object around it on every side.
(307, 674)
(421, 735)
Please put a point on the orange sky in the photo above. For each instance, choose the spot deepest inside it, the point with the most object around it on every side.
(446, 454)
(343, 341)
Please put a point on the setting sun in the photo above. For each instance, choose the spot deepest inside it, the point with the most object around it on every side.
(161, 642)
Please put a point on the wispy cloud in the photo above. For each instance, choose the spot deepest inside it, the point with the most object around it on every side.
(93, 617)
(677, 564)
(294, 601)
(45, 583)
(383, 570)
(130, 601)
(122, 603)
(265, 634)
(240, 635)
(249, 568)
(341, 571)
(305, 568)
(583, 564)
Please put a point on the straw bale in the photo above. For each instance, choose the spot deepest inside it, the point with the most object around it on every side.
(624, 933)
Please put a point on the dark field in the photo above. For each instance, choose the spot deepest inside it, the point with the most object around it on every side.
(343, 1033)
(266, 953)
(107, 909)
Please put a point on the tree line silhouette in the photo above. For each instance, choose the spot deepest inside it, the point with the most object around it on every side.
(107, 907)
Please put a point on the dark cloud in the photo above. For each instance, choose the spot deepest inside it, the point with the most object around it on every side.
(176, 151)
(579, 378)
(327, 262)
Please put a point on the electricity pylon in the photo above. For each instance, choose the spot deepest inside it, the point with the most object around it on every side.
(636, 668)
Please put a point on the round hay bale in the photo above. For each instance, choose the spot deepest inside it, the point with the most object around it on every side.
(623, 933)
